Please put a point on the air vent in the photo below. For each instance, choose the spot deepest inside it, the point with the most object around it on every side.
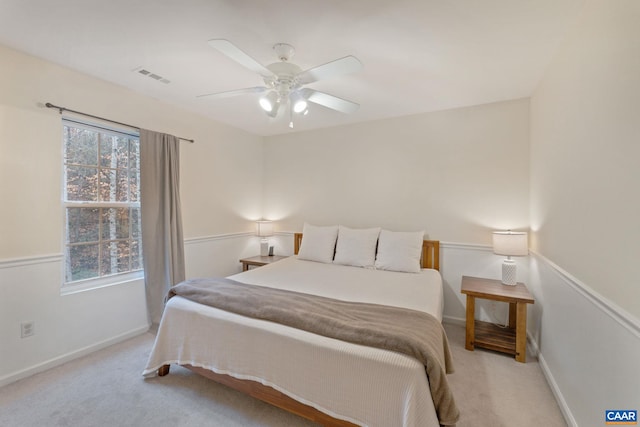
(152, 75)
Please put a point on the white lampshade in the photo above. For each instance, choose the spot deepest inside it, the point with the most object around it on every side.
(510, 243)
(265, 228)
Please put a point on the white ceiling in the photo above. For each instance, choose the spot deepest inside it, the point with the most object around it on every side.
(418, 55)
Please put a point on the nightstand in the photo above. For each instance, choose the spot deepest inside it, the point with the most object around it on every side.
(259, 261)
(511, 339)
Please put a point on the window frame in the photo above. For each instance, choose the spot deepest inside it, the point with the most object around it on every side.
(99, 281)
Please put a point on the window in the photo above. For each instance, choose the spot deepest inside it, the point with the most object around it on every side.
(101, 198)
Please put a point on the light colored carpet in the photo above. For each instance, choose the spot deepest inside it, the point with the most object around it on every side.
(106, 389)
(493, 390)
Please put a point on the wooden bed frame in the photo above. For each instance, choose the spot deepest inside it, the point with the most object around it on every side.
(430, 259)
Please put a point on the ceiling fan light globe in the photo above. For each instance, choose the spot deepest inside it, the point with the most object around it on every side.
(269, 102)
(300, 106)
(265, 104)
(274, 111)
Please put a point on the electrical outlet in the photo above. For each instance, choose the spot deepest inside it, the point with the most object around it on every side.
(27, 329)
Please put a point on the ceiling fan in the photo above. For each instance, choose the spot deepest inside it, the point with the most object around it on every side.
(284, 82)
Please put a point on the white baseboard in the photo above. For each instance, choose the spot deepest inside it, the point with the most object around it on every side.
(57, 361)
(458, 321)
(562, 403)
(534, 349)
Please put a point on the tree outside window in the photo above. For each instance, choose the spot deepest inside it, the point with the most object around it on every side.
(102, 202)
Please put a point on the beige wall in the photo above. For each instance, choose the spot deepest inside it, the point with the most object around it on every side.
(215, 170)
(585, 153)
(457, 174)
(221, 191)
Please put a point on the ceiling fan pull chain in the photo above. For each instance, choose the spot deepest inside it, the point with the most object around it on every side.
(290, 116)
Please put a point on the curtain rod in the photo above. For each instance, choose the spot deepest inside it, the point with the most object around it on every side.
(61, 109)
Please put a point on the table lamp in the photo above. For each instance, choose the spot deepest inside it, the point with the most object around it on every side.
(265, 229)
(510, 243)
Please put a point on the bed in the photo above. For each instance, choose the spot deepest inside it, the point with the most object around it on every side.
(323, 379)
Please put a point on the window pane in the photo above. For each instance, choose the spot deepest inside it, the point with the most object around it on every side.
(114, 185)
(134, 185)
(81, 146)
(122, 185)
(124, 256)
(115, 258)
(134, 170)
(136, 255)
(114, 151)
(83, 225)
(115, 223)
(136, 224)
(101, 167)
(82, 184)
(82, 262)
(134, 154)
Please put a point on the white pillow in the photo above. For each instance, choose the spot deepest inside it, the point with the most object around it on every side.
(356, 247)
(399, 251)
(318, 243)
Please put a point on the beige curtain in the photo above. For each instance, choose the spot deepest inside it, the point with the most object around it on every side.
(162, 241)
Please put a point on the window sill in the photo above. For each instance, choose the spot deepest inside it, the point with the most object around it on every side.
(102, 282)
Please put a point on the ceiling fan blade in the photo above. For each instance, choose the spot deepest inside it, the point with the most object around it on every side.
(346, 65)
(330, 101)
(233, 52)
(230, 93)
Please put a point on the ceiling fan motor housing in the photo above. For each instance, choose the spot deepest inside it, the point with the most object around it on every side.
(284, 78)
(284, 51)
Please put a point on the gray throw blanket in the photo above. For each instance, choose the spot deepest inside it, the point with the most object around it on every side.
(410, 332)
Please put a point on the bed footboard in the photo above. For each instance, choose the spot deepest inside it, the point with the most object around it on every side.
(266, 394)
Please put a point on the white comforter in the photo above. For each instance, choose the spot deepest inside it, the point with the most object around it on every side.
(363, 385)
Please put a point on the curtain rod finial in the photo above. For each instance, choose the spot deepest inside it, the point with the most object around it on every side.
(50, 105)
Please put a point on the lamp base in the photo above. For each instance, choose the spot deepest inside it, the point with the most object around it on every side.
(509, 272)
(264, 247)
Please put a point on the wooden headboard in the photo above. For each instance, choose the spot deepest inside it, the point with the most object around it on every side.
(430, 251)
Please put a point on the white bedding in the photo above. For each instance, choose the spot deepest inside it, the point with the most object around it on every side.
(363, 385)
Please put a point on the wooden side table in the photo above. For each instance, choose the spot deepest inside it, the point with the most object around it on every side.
(511, 339)
(259, 261)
